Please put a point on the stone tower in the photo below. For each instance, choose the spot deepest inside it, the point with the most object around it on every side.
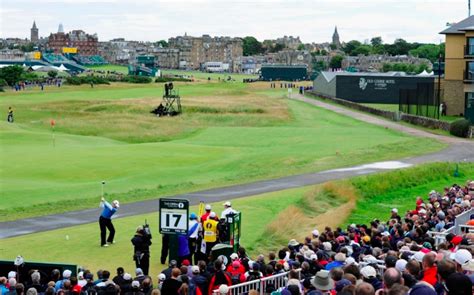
(335, 38)
(34, 33)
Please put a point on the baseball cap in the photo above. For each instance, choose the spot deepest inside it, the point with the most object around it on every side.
(162, 276)
(315, 233)
(368, 272)
(193, 216)
(418, 256)
(135, 284)
(212, 215)
(127, 276)
(208, 207)
(67, 274)
(395, 210)
(195, 269)
(116, 203)
(228, 204)
(462, 256)
(401, 265)
(236, 264)
(234, 256)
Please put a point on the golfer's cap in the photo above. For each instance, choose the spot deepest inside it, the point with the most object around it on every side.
(116, 203)
(228, 204)
(212, 215)
(208, 207)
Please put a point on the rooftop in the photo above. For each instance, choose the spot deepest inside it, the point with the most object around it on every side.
(459, 27)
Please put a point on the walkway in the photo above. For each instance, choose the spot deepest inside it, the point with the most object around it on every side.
(459, 150)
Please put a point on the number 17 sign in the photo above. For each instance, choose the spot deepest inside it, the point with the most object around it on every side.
(174, 216)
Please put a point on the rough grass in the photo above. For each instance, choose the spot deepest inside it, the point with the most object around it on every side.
(320, 206)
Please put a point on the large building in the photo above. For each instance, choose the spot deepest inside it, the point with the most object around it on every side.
(195, 51)
(34, 33)
(459, 68)
(86, 44)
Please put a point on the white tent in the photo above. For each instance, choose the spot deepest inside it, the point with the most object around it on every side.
(425, 74)
(62, 68)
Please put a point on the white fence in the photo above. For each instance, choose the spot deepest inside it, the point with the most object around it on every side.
(276, 281)
(459, 224)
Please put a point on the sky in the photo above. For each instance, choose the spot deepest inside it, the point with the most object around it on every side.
(311, 20)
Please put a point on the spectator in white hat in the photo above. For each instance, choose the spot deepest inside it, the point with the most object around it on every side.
(227, 209)
(208, 209)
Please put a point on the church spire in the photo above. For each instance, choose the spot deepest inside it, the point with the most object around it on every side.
(34, 25)
(335, 38)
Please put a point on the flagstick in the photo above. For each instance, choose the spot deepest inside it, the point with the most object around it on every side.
(54, 138)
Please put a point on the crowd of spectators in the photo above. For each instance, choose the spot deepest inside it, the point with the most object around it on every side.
(398, 256)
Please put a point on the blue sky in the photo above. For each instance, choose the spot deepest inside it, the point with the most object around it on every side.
(312, 20)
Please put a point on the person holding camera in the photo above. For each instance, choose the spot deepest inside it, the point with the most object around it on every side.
(141, 243)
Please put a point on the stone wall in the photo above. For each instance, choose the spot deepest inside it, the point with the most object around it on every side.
(454, 97)
(416, 120)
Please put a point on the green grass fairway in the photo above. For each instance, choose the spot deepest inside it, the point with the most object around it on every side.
(82, 243)
(116, 68)
(195, 74)
(229, 133)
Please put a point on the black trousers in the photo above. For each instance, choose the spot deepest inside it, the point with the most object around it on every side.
(104, 224)
(143, 261)
(165, 243)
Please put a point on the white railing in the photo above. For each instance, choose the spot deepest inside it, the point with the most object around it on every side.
(276, 281)
(459, 223)
(464, 228)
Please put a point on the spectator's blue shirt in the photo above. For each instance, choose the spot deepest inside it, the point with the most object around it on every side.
(108, 210)
(334, 264)
(3, 289)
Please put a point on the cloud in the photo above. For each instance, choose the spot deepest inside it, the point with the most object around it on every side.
(312, 20)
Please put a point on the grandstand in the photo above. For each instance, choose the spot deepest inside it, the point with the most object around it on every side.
(427, 251)
(93, 60)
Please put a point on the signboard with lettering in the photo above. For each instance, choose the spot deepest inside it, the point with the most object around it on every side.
(174, 216)
(375, 88)
(72, 50)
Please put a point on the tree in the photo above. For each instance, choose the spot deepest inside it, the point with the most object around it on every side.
(251, 46)
(162, 43)
(376, 41)
(319, 66)
(362, 50)
(11, 74)
(351, 46)
(428, 51)
(399, 47)
(333, 46)
(277, 47)
(336, 62)
(52, 74)
(301, 47)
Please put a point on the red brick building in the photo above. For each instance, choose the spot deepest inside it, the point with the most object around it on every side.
(86, 44)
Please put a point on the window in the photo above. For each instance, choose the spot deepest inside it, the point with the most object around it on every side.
(470, 46)
(470, 100)
(469, 71)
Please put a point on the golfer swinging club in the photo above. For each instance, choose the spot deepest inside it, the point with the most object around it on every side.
(105, 221)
